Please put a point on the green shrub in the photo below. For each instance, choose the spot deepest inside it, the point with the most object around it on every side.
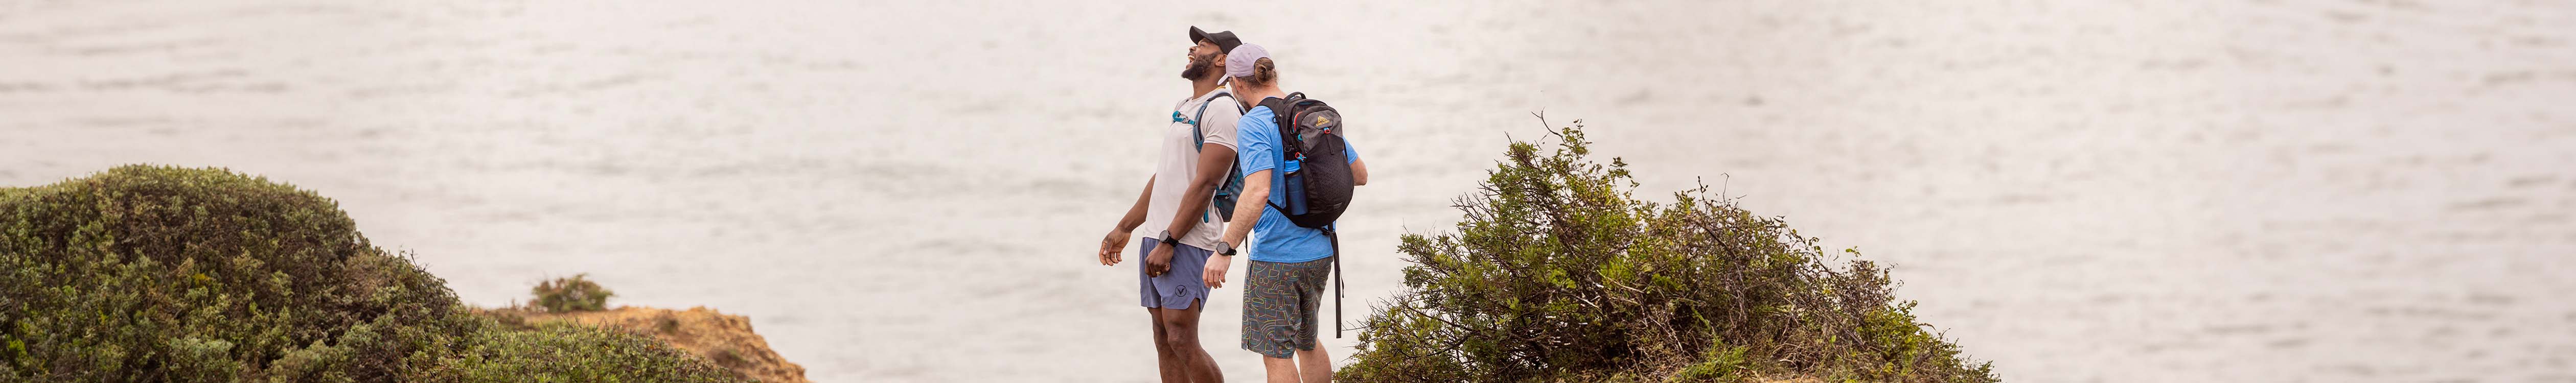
(558, 352)
(1557, 273)
(571, 294)
(151, 273)
(163, 274)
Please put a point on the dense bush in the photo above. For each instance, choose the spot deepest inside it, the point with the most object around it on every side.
(160, 274)
(163, 274)
(558, 352)
(1557, 273)
(569, 294)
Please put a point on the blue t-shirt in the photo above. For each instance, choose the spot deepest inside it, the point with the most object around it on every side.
(1274, 238)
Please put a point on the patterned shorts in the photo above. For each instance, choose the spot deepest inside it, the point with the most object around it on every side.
(1279, 301)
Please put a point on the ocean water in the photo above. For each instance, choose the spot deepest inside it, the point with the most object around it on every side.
(2111, 191)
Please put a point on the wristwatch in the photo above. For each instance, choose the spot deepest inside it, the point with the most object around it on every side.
(1169, 240)
(1229, 249)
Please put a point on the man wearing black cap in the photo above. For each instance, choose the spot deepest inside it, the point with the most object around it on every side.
(1196, 156)
(1203, 58)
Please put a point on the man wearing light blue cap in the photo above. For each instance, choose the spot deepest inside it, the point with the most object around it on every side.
(1290, 263)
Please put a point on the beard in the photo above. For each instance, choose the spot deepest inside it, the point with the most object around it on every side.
(1199, 67)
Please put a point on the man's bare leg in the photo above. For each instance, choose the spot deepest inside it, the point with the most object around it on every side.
(1314, 366)
(1180, 331)
(1164, 359)
(1281, 370)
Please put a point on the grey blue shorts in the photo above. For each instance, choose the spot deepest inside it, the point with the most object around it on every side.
(1176, 289)
(1279, 301)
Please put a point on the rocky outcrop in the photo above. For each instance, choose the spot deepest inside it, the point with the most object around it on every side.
(724, 339)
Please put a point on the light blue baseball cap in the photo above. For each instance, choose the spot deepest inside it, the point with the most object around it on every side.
(1238, 63)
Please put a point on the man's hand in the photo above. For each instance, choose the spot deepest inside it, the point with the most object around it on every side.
(1111, 245)
(1160, 261)
(1215, 270)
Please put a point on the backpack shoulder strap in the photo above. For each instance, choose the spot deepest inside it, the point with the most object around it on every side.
(1282, 113)
(1336, 239)
(1279, 162)
(1201, 118)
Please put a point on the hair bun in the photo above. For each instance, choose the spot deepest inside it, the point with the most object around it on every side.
(1264, 73)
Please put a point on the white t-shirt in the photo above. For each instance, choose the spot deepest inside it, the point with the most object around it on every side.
(1180, 164)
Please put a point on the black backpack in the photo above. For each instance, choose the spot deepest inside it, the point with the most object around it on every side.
(1316, 163)
(1315, 160)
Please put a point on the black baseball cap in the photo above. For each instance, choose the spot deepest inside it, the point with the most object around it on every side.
(1225, 41)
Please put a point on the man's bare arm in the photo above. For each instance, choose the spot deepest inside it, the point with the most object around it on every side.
(1116, 241)
(1136, 214)
(1247, 208)
(1214, 162)
(1359, 172)
(1247, 211)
